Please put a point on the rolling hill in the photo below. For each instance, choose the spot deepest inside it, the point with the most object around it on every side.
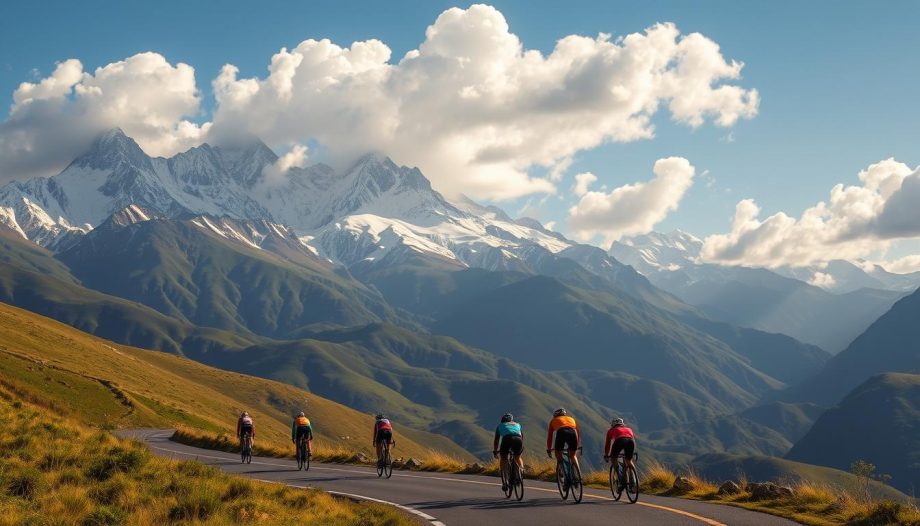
(106, 384)
(879, 422)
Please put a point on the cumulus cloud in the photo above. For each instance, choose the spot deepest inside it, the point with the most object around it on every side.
(822, 279)
(51, 121)
(582, 182)
(633, 209)
(295, 158)
(856, 221)
(904, 265)
(472, 106)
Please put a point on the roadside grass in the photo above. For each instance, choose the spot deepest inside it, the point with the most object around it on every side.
(57, 471)
(815, 504)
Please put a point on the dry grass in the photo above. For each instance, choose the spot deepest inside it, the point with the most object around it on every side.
(55, 471)
(810, 503)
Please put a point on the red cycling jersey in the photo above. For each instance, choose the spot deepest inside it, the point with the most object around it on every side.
(381, 425)
(614, 433)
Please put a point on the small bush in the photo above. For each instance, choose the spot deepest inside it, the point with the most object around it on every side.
(198, 505)
(117, 460)
(24, 483)
(109, 492)
(196, 469)
(106, 516)
(237, 489)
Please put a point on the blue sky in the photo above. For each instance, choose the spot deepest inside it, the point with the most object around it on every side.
(837, 80)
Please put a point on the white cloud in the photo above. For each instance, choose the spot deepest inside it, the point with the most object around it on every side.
(822, 279)
(632, 209)
(904, 265)
(471, 106)
(582, 182)
(295, 158)
(474, 108)
(855, 222)
(52, 120)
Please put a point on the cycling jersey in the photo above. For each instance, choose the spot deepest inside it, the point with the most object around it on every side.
(383, 429)
(245, 424)
(559, 423)
(615, 433)
(506, 430)
(301, 426)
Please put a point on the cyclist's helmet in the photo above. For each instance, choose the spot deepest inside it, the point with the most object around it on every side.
(301, 414)
(380, 417)
(245, 413)
(560, 412)
(507, 417)
(617, 422)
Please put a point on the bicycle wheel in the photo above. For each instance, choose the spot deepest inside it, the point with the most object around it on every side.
(506, 480)
(577, 486)
(380, 464)
(518, 479)
(561, 483)
(306, 462)
(614, 482)
(300, 456)
(387, 463)
(632, 484)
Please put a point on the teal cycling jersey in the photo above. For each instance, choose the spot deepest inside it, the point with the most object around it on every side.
(508, 429)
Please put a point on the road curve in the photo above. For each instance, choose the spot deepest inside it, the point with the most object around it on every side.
(439, 498)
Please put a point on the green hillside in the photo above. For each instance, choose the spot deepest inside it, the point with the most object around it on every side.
(548, 324)
(197, 276)
(102, 383)
(879, 422)
(891, 344)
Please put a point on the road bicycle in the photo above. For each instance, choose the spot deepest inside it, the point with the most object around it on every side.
(623, 478)
(513, 478)
(385, 464)
(246, 448)
(303, 454)
(568, 477)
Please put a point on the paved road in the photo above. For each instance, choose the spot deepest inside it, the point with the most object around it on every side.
(465, 499)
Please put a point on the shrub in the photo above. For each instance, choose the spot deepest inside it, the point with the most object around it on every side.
(117, 460)
(106, 516)
(237, 489)
(25, 483)
(193, 468)
(200, 504)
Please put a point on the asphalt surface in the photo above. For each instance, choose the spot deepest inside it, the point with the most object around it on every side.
(439, 498)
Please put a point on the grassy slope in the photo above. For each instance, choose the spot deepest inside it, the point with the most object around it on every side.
(879, 422)
(59, 471)
(195, 275)
(104, 383)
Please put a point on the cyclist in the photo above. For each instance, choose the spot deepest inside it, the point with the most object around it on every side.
(244, 426)
(619, 439)
(383, 433)
(301, 428)
(508, 437)
(563, 431)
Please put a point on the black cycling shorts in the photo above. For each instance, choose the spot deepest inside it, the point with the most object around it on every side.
(304, 431)
(624, 444)
(384, 435)
(511, 443)
(566, 436)
(245, 429)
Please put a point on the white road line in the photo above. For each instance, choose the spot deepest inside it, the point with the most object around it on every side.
(700, 518)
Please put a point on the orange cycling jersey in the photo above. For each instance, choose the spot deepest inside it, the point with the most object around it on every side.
(302, 421)
(557, 423)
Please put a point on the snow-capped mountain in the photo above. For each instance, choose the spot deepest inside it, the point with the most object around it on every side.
(374, 212)
(656, 252)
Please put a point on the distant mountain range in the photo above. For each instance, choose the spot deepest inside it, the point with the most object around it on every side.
(367, 287)
(778, 300)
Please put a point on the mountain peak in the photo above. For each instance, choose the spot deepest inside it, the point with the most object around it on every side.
(111, 149)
